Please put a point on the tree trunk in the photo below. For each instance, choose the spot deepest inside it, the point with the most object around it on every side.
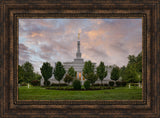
(45, 83)
(101, 82)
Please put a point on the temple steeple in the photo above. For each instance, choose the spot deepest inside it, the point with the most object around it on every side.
(78, 54)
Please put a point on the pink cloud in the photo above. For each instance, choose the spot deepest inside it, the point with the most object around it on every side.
(105, 40)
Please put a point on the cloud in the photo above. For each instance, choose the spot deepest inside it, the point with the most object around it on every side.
(108, 40)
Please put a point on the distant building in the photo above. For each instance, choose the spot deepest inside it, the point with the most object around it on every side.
(78, 64)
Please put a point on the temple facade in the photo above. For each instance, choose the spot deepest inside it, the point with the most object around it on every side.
(78, 64)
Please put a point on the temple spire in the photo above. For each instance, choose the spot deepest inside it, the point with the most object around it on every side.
(78, 54)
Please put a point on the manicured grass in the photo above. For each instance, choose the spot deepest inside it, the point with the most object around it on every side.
(118, 93)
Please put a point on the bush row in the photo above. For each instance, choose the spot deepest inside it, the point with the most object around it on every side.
(57, 84)
(100, 85)
(118, 83)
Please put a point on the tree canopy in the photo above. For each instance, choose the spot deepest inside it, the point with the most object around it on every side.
(20, 74)
(133, 71)
(130, 74)
(59, 71)
(72, 72)
(68, 79)
(46, 71)
(88, 68)
(115, 73)
(28, 74)
(92, 78)
(101, 71)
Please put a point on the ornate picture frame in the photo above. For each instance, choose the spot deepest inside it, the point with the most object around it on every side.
(12, 10)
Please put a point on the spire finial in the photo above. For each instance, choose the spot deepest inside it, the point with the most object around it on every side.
(78, 35)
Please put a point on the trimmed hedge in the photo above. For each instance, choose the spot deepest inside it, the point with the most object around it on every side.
(61, 84)
(87, 84)
(76, 84)
(111, 83)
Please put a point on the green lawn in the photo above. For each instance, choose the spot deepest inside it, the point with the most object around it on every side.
(40, 93)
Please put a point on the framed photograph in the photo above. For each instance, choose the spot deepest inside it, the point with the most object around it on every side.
(79, 58)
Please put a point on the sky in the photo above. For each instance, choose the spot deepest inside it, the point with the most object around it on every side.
(52, 40)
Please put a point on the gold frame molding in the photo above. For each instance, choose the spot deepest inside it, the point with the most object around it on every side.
(12, 10)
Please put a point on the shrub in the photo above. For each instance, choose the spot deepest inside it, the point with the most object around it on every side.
(134, 84)
(68, 79)
(124, 83)
(24, 84)
(96, 84)
(46, 83)
(105, 84)
(119, 83)
(87, 84)
(35, 82)
(76, 84)
(111, 83)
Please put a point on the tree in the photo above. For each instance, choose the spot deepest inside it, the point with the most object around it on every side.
(28, 69)
(72, 72)
(130, 75)
(20, 74)
(101, 72)
(68, 79)
(115, 73)
(88, 68)
(92, 78)
(132, 59)
(59, 72)
(46, 71)
(122, 69)
(133, 71)
(37, 76)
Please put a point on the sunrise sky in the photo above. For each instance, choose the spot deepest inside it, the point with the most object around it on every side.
(52, 40)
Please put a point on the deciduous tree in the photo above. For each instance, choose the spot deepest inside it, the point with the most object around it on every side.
(101, 71)
(115, 73)
(72, 72)
(59, 72)
(88, 68)
(46, 71)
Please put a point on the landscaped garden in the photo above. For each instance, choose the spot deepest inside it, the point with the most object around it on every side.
(128, 88)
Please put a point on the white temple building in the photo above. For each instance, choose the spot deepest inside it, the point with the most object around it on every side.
(78, 64)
